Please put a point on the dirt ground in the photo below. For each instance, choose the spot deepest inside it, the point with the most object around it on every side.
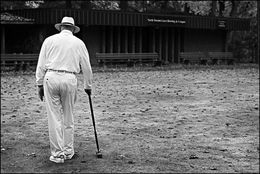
(166, 120)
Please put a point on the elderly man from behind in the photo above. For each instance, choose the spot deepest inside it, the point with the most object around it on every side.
(62, 56)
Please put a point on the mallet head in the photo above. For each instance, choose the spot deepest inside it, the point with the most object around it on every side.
(99, 154)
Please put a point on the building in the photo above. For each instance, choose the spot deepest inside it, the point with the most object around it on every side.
(123, 32)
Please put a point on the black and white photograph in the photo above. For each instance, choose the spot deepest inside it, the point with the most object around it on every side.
(100, 86)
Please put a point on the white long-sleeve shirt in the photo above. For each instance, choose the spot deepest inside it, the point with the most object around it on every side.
(64, 51)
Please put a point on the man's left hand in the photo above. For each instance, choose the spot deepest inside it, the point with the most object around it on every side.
(41, 92)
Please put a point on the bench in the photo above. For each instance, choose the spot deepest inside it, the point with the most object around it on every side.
(193, 57)
(18, 61)
(221, 56)
(129, 58)
(206, 57)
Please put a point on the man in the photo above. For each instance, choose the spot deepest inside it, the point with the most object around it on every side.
(61, 57)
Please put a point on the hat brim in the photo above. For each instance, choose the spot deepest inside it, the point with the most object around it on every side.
(76, 28)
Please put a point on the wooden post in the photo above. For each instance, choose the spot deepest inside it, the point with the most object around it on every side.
(160, 43)
(258, 28)
(111, 40)
(123, 5)
(172, 44)
(3, 40)
(126, 40)
(133, 40)
(103, 40)
(226, 42)
(178, 45)
(166, 38)
(119, 39)
(140, 40)
(153, 40)
(68, 4)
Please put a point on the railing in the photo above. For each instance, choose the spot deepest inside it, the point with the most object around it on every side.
(18, 61)
(129, 58)
(207, 57)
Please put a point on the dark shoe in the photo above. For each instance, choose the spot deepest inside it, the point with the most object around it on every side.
(69, 156)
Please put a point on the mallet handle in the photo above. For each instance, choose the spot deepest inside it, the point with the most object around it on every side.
(93, 120)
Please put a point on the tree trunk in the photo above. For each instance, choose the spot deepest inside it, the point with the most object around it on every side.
(258, 28)
(186, 9)
(221, 7)
(233, 12)
(230, 34)
(85, 5)
(213, 8)
(123, 5)
(164, 6)
(68, 4)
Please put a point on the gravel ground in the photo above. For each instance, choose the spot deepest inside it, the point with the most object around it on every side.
(196, 119)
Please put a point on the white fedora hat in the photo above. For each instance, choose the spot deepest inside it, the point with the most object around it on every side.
(67, 21)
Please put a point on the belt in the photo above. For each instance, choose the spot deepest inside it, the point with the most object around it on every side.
(61, 71)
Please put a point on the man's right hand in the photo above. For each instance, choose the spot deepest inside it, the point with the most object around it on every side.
(41, 92)
(88, 91)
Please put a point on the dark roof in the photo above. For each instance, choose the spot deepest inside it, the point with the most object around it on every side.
(121, 18)
(7, 18)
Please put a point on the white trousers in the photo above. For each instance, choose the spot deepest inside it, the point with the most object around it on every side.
(60, 91)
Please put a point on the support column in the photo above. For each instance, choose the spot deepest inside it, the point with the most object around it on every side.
(160, 43)
(153, 40)
(166, 38)
(172, 44)
(119, 39)
(133, 40)
(258, 33)
(103, 49)
(126, 40)
(178, 45)
(42, 35)
(140, 40)
(3, 40)
(111, 40)
(226, 41)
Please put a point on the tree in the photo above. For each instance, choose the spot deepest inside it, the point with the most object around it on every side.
(244, 43)
(11, 5)
(213, 8)
(68, 4)
(105, 5)
(258, 28)
(85, 5)
(53, 4)
(221, 7)
(199, 7)
(234, 8)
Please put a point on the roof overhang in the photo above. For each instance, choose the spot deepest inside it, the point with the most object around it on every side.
(120, 18)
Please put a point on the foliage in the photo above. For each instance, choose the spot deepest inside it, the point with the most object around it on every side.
(105, 5)
(244, 43)
(6, 5)
(197, 7)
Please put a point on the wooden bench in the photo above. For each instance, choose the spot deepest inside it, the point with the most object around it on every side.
(18, 61)
(193, 57)
(221, 56)
(129, 58)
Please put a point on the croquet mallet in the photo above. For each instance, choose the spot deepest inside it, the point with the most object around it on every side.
(98, 153)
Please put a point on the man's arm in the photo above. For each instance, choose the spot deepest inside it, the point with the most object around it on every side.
(86, 69)
(40, 70)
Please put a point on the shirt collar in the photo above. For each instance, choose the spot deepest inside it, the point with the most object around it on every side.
(66, 32)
